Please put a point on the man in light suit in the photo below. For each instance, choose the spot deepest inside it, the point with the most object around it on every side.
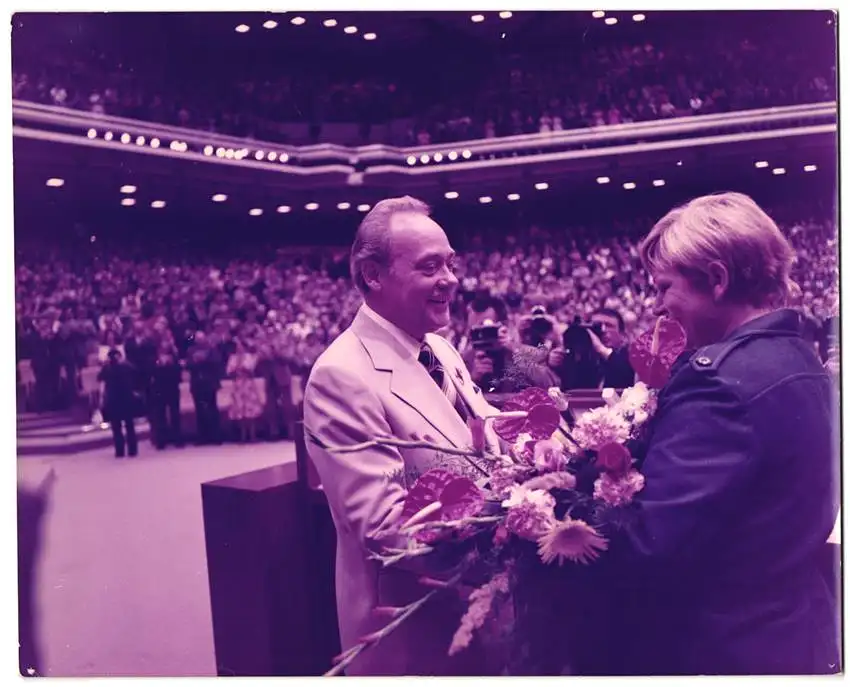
(369, 383)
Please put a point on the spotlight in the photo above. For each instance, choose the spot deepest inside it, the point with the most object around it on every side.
(283, 157)
(350, 29)
(259, 155)
(297, 21)
(208, 150)
(778, 170)
(243, 28)
(485, 199)
(311, 206)
(411, 160)
(140, 141)
(629, 185)
(598, 14)
(453, 155)
(270, 24)
(128, 189)
(229, 153)
(343, 206)
(761, 164)
(466, 154)
(255, 212)
(810, 168)
(603, 180)
(658, 182)
(513, 196)
(638, 17)
(219, 198)
(611, 21)
(477, 18)
(451, 195)
(541, 186)
(425, 159)
(127, 202)
(363, 208)
(438, 157)
(679, 163)
(219, 152)
(158, 204)
(55, 183)
(125, 138)
(154, 143)
(107, 136)
(272, 156)
(506, 15)
(330, 23)
(369, 36)
(283, 209)
(92, 133)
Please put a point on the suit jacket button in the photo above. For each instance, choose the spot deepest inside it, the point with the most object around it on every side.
(703, 361)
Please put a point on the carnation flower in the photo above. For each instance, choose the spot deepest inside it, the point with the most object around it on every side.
(480, 607)
(503, 478)
(549, 455)
(552, 480)
(601, 426)
(520, 494)
(529, 521)
(572, 540)
(618, 490)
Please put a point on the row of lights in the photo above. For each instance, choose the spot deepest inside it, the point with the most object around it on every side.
(126, 139)
(778, 171)
(478, 18)
(610, 21)
(300, 21)
(425, 158)
(630, 185)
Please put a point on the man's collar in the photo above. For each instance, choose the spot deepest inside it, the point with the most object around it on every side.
(405, 339)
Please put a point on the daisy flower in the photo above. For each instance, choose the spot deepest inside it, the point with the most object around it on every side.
(572, 540)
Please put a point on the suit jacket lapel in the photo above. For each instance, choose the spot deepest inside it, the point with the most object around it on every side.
(410, 381)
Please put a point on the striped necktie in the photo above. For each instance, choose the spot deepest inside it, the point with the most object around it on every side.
(438, 374)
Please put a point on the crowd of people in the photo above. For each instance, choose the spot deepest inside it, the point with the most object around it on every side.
(253, 318)
(568, 87)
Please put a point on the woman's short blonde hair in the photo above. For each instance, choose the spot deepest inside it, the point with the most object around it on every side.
(729, 228)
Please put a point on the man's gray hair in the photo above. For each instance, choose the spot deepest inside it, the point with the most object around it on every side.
(372, 241)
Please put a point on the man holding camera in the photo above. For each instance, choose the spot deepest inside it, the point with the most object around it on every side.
(608, 335)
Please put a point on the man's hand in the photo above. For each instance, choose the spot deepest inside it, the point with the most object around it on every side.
(556, 358)
(598, 346)
(482, 366)
(505, 339)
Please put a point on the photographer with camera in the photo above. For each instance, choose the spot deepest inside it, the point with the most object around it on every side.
(608, 336)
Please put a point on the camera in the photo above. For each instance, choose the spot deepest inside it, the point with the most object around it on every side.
(485, 338)
(536, 328)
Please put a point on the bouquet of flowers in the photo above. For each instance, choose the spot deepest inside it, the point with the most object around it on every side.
(548, 499)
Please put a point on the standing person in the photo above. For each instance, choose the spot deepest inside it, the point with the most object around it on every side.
(246, 405)
(204, 365)
(388, 374)
(120, 402)
(165, 398)
(719, 571)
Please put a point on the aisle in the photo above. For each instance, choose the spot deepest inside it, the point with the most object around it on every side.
(123, 587)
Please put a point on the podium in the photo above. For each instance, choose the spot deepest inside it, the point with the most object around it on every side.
(271, 547)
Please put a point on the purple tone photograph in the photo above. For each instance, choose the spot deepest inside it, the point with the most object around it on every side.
(498, 343)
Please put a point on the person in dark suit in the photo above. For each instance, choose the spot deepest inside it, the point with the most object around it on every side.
(165, 398)
(121, 402)
(205, 368)
(718, 573)
(612, 348)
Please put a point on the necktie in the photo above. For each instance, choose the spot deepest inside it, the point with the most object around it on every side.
(438, 374)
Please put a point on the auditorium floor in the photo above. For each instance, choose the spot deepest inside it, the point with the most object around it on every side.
(123, 587)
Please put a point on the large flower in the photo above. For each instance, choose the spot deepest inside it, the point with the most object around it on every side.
(571, 540)
(601, 426)
(541, 420)
(520, 494)
(504, 477)
(552, 480)
(549, 455)
(529, 521)
(616, 490)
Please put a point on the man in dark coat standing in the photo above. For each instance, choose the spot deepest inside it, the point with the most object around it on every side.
(205, 367)
(121, 402)
(719, 571)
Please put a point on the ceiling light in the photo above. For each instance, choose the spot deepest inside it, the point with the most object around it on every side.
(513, 196)
(761, 164)
(219, 198)
(629, 185)
(259, 155)
(810, 168)
(679, 163)
(107, 136)
(243, 28)
(229, 153)
(477, 18)
(128, 189)
(270, 24)
(506, 14)
(255, 212)
(411, 160)
(154, 143)
(311, 206)
(603, 180)
(219, 152)
(541, 186)
(330, 23)
(363, 208)
(466, 154)
(485, 199)
(369, 36)
(158, 204)
(611, 21)
(55, 183)
(453, 155)
(92, 133)
(125, 138)
(451, 195)
(343, 206)
(598, 14)
(140, 140)
(350, 29)
(208, 150)
(424, 158)
(658, 182)
(283, 209)
(638, 17)
(127, 202)
(283, 157)
(778, 170)
(297, 21)
(438, 157)
(272, 156)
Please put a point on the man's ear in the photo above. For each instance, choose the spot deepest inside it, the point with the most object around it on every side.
(371, 272)
(718, 279)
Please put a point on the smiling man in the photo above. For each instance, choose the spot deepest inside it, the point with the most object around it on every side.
(389, 374)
